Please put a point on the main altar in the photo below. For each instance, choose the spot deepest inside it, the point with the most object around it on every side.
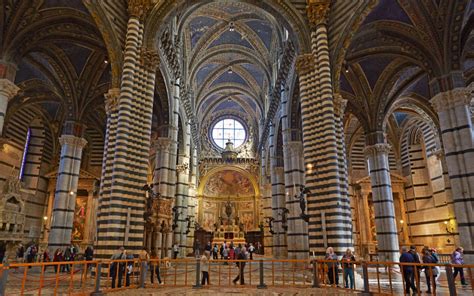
(230, 228)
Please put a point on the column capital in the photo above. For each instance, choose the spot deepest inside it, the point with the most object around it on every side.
(339, 104)
(163, 143)
(460, 96)
(439, 153)
(279, 170)
(294, 147)
(73, 141)
(377, 148)
(318, 11)
(111, 99)
(149, 58)
(305, 63)
(139, 8)
(8, 88)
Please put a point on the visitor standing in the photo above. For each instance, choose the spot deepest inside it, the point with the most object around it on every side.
(407, 270)
(348, 268)
(241, 266)
(429, 270)
(251, 251)
(332, 266)
(58, 257)
(89, 253)
(129, 269)
(155, 267)
(205, 267)
(175, 251)
(225, 254)
(197, 247)
(20, 253)
(118, 268)
(415, 277)
(457, 259)
(215, 251)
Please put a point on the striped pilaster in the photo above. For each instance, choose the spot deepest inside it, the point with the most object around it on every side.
(297, 234)
(8, 90)
(453, 108)
(66, 190)
(385, 221)
(121, 205)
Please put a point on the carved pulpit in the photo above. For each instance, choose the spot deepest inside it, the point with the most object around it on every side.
(12, 211)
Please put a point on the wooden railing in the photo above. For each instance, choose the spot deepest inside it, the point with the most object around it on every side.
(85, 277)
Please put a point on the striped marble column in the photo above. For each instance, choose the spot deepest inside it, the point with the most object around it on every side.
(328, 207)
(66, 190)
(122, 200)
(278, 208)
(8, 90)
(266, 191)
(297, 234)
(458, 142)
(182, 201)
(385, 221)
(192, 204)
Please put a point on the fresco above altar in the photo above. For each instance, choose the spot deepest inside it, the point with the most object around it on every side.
(228, 182)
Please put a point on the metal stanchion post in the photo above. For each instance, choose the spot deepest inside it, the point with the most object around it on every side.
(365, 274)
(144, 269)
(4, 278)
(98, 272)
(262, 281)
(198, 275)
(450, 278)
(315, 274)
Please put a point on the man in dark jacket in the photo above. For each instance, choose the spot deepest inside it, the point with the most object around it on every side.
(407, 270)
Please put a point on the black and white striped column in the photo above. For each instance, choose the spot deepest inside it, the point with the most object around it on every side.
(122, 200)
(8, 90)
(278, 208)
(385, 220)
(192, 204)
(329, 209)
(453, 108)
(297, 234)
(66, 190)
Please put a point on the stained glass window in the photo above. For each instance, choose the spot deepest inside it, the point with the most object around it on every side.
(228, 129)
